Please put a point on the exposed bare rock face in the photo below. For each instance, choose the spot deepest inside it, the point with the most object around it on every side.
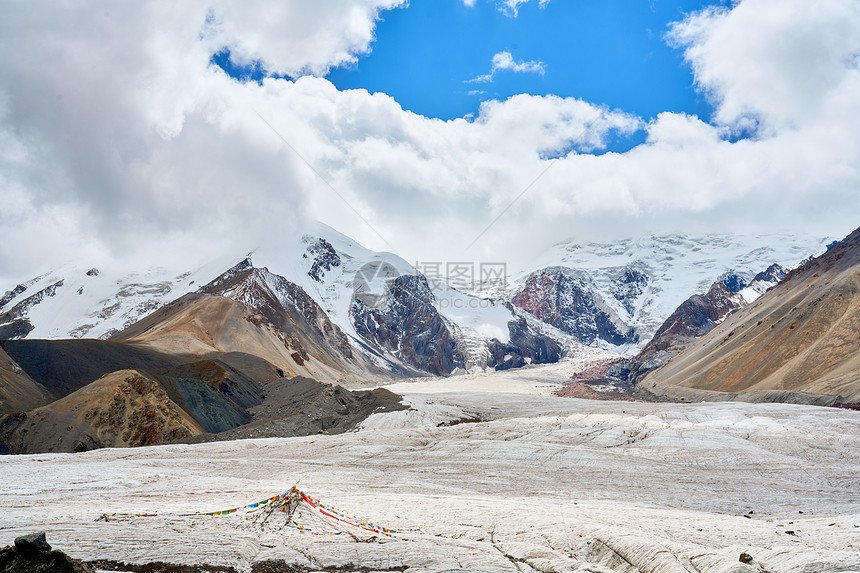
(525, 347)
(567, 303)
(627, 287)
(199, 401)
(216, 395)
(11, 294)
(283, 304)
(14, 322)
(121, 409)
(19, 392)
(410, 326)
(301, 407)
(325, 258)
(801, 336)
(733, 282)
(696, 316)
(251, 311)
(33, 554)
(699, 314)
(773, 274)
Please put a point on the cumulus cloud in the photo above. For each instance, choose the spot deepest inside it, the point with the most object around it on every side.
(775, 64)
(119, 138)
(295, 38)
(118, 134)
(504, 62)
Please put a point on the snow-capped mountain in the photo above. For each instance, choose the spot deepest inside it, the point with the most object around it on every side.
(614, 295)
(700, 314)
(81, 301)
(799, 337)
(617, 294)
(393, 313)
(353, 299)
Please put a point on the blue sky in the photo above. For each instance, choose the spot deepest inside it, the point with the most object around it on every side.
(610, 52)
(431, 56)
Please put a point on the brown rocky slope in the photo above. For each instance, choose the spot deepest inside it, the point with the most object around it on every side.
(124, 408)
(251, 311)
(18, 391)
(798, 342)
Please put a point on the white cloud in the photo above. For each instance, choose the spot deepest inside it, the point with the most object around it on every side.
(295, 37)
(504, 62)
(118, 137)
(512, 7)
(781, 63)
(508, 7)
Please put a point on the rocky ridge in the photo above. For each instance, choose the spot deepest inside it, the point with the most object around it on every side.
(800, 337)
(699, 314)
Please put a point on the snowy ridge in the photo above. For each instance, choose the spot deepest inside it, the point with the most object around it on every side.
(641, 281)
(78, 301)
(333, 289)
(630, 287)
(472, 320)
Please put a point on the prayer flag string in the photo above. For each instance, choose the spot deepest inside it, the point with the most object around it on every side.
(288, 503)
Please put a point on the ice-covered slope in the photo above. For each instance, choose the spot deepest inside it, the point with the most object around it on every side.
(388, 308)
(541, 484)
(388, 312)
(638, 283)
(80, 301)
(699, 314)
(331, 266)
(613, 295)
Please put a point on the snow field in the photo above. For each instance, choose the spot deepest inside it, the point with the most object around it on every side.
(541, 484)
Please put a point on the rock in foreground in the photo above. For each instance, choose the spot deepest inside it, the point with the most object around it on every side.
(32, 554)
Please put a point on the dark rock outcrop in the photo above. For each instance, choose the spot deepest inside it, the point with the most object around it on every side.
(310, 311)
(301, 407)
(32, 542)
(567, 303)
(694, 318)
(13, 322)
(33, 554)
(11, 294)
(733, 282)
(525, 347)
(214, 394)
(17, 328)
(409, 326)
(773, 274)
(325, 258)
